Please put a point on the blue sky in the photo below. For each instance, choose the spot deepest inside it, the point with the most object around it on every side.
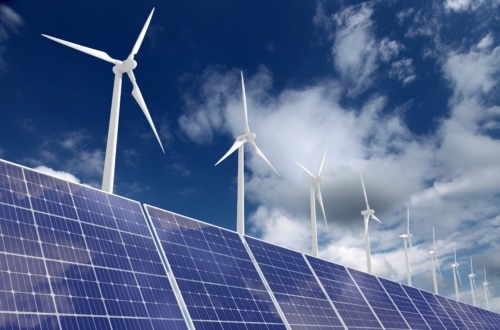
(404, 92)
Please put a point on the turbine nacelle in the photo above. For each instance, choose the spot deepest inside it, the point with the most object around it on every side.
(125, 66)
(247, 137)
(406, 236)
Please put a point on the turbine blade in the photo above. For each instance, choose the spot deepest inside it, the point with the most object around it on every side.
(320, 200)
(459, 278)
(261, 155)
(364, 192)
(408, 221)
(322, 163)
(247, 127)
(437, 263)
(136, 93)
(304, 169)
(138, 43)
(96, 53)
(236, 145)
(375, 218)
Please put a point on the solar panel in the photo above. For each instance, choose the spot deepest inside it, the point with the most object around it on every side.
(442, 314)
(464, 315)
(404, 304)
(72, 257)
(344, 294)
(219, 282)
(378, 299)
(423, 307)
(297, 291)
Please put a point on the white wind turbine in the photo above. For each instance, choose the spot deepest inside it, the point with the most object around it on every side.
(119, 68)
(486, 291)
(367, 215)
(434, 261)
(314, 183)
(472, 281)
(239, 144)
(456, 274)
(407, 239)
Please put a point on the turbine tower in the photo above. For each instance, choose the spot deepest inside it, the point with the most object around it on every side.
(454, 267)
(472, 281)
(119, 68)
(486, 291)
(407, 239)
(314, 183)
(367, 215)
(239, 144)
(434, 261)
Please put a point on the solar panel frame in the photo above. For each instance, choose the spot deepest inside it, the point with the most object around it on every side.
(345, 294)
(405, 305)
(216, 276)
(302, 298)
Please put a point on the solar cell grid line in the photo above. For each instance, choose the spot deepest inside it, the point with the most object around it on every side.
(404, 304)
(295, 287)
(456, 314)
(345, 295)
(215, 275)
(474, 315)
(441, 313)
(53, 280)
(379, 300)
(423, 307)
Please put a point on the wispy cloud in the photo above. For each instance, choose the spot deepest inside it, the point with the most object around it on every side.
(10, 22)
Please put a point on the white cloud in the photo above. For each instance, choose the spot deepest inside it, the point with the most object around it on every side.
(9, 22)
(403, 71)
(58, 174)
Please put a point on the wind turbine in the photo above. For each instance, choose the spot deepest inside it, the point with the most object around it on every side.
(367, 215)
(434, 261)
(119, 68)
(472, 281)
(407, 239)
(314, 183)
(454, 267)
(239, 144)
(486, 291)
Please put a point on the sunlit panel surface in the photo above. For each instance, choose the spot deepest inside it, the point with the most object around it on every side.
(217, 278)
(72, 257)
(300, 297)
(345, 295)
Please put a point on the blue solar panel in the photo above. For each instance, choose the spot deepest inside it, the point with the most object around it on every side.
(297, 291)
(442, 314)
(378, 299)
(72, 257)
(423, 307)
(220, 285)
(344, 294)
(470, 321)
(404, 304)
(460, 319)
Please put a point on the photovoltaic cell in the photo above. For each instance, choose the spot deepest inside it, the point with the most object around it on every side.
(440, 311)
(219, 283)
(423, 307)
(344, 294)
(378, 299)
(471, 323)
(296, 289)
(72, 257)
(404, 304)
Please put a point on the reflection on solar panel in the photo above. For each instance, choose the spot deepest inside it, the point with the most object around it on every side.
(72, 257)
(220, 285)
(378, 299)
(404, 304)
(344, 294)
(298, 293)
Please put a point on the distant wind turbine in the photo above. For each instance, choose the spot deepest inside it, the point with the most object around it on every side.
(314, 183)
(120, 67)
(472, 281)
(239, 144)
(486, 291)
(367, 215)
(456, 274)
(434, 261)
(407, 239)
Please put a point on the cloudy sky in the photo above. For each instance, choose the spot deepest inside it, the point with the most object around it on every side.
(404, 92)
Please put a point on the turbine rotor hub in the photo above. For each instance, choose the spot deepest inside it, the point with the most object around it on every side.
(125, 66)
(367, 212)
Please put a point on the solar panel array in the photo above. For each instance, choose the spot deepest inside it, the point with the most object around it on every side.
(73, 257)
